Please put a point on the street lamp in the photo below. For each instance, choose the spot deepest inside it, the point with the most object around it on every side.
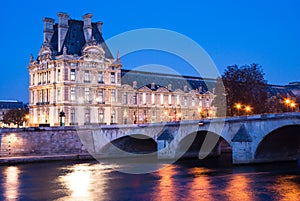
(62, 118)
(247, 109)
(238, 106)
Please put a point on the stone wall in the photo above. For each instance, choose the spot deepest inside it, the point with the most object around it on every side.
(40, 141)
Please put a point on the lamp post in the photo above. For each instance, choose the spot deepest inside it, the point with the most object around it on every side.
(62, 118)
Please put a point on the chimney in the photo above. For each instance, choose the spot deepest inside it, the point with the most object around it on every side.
(48, 28)
(99, 26)
(87, 26)
(62, 28)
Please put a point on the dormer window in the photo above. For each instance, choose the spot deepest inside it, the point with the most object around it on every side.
(113, 77)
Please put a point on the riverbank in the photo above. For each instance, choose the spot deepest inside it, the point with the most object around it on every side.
(37, 158)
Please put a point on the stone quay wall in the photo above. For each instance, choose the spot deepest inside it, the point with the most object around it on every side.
(40, 141)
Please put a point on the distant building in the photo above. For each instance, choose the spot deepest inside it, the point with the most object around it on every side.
(75, 73)
(6, 105)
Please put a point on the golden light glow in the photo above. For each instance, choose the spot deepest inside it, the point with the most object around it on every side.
(238, 106)
(200, 185)
(287, 101)
(293, 104)
(248, 108)
(286, 188)
(11, 183)
(239, 189)
(166, 187)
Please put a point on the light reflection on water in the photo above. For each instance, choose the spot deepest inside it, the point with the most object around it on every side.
(94, 181)
(11, 182)
(85, 181)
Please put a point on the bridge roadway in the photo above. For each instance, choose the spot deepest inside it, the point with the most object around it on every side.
(253, 139)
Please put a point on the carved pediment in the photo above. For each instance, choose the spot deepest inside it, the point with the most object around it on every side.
(92, 50)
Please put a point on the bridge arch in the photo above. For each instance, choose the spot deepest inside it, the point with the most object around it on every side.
(207, 143)
(133, 144)
(280, 144)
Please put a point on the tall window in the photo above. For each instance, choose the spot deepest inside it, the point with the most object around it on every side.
(86, 76)
(113, 95)
(113, 116)
(161, 99)
(73, 117)
(101, 116)
(125, 98)
(58, 75)
(113, 77)
(86, 95)
(32, 96)
(193, 101)
(100, 77)
(144, 98)
(87, 116)
(135, 98)
(170, 99)
(72, 75)
(177, 99)
(100, 96)
(185, 101)
(58, 95)
(153, 98)
(73, 93)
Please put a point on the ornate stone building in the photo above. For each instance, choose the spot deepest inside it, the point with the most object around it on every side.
(75, 73)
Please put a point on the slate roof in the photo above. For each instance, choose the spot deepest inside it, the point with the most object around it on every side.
(75, 40)
(163, 80)
(275, 90)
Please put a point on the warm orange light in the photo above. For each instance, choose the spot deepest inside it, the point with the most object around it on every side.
(248, 108)
(238, 106)
(287, 101)
(293, 104)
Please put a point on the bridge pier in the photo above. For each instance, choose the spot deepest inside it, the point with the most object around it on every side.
(242, 153)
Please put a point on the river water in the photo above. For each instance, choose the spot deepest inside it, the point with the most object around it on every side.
(212, 179)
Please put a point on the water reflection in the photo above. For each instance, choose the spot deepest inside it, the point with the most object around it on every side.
(11, 183)
(85, 181)
(166, 189)
(286, 188)
(200, 186)
(239, 188)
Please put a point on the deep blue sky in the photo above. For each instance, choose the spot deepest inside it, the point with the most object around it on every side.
(232, 32)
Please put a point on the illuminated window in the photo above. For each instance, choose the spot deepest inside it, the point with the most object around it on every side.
(144, 98)
(161, 99)
(72, 75)
(73, 93)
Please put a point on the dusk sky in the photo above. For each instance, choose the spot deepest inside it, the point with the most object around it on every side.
(231, 32)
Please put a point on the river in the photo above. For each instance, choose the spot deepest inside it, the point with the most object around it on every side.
(212, 179)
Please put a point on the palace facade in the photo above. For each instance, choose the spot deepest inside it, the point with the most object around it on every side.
(76, 81)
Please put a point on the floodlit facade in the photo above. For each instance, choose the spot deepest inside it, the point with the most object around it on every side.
(75, 73)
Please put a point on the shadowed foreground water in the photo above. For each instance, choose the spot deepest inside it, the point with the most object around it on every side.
(208, 180)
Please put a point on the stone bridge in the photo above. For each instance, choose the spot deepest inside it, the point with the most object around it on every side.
(253, 139)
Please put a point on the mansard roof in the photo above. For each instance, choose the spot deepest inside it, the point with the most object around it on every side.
(75, 41)
(277, 90)
(164, 80)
